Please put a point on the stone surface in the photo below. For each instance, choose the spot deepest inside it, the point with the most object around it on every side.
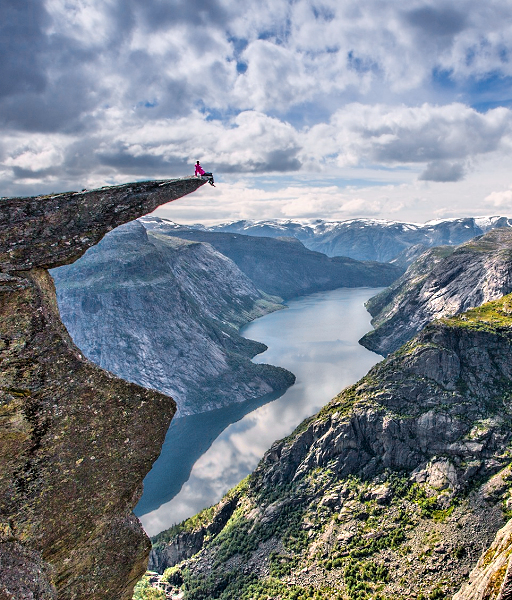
(53, 230)
(75, 441)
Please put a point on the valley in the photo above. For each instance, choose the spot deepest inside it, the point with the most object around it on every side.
(376, 489)
(396, 488)
(402, 477)
(315, 337)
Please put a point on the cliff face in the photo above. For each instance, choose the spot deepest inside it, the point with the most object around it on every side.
(75, 441)
(491, 579)
(164, 313)
(390, 491)
(443, 281)
(284, 267)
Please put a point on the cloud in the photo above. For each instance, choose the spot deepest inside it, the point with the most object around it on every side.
(22, 46)
(410, 135)
(442, 21)
(443, 171)
(126, 89)
(501, 200)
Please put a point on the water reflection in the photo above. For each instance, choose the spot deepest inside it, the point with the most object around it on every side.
(315, 338)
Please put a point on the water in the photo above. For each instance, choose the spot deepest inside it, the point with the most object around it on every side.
(205, 455)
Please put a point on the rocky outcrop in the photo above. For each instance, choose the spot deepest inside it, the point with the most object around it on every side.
(367, 239)
(164, 313)
(390, 491)
(187, 543)
(491, 579)
(443, 281)
(75, 441)
(283, 266)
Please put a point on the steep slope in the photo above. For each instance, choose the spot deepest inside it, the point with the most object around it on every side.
(443, 281)
(284, 267)
(75, 441)
(368, 239)
(491, 579)
(389, 492)
(164, 313)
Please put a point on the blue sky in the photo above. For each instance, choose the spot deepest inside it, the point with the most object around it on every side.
(333, 109)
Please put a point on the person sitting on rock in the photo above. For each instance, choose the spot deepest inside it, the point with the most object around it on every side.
(202, 173)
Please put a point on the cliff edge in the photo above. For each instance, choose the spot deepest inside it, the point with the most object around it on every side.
(75, 441)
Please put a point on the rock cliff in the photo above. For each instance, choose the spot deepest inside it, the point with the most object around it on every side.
(491, 579)
(390, 492)
(75, 441)
(164, 313)
(442, 281)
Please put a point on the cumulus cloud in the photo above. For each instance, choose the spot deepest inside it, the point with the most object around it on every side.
(437, 135)
(94, 93)
(440, 170)
(501, 200)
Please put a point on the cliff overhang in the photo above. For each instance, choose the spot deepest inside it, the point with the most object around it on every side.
(75, 441)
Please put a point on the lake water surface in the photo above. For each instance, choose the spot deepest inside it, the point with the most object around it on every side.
(205, 455)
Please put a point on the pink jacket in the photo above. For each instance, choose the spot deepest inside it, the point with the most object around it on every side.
(199, 170)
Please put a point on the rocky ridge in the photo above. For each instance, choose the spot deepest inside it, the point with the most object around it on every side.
(442, 281)
(391, 491)
(164, 313)
(75, 441)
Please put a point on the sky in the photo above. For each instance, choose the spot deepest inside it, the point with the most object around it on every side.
(333, 109)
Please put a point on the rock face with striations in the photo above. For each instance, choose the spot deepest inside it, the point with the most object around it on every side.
(442, 281)
(491, 579)
(389, 492)
(75, 441)
(164, 313)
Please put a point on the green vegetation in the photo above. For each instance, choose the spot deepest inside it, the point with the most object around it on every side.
(144, 591)
(492, 316)
(201, 519)
(234, 584)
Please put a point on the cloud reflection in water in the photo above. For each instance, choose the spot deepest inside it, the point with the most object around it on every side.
(315, 338)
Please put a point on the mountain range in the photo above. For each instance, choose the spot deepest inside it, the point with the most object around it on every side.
(362, 239)
(283, 266)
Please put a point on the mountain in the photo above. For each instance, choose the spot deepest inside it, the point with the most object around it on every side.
(390, 492)
(75, 441)
(283, 266)
(164, 313)
(443, 281)
(365, 239)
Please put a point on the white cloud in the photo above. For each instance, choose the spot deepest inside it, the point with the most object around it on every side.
(502, 200)
(132, 89)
